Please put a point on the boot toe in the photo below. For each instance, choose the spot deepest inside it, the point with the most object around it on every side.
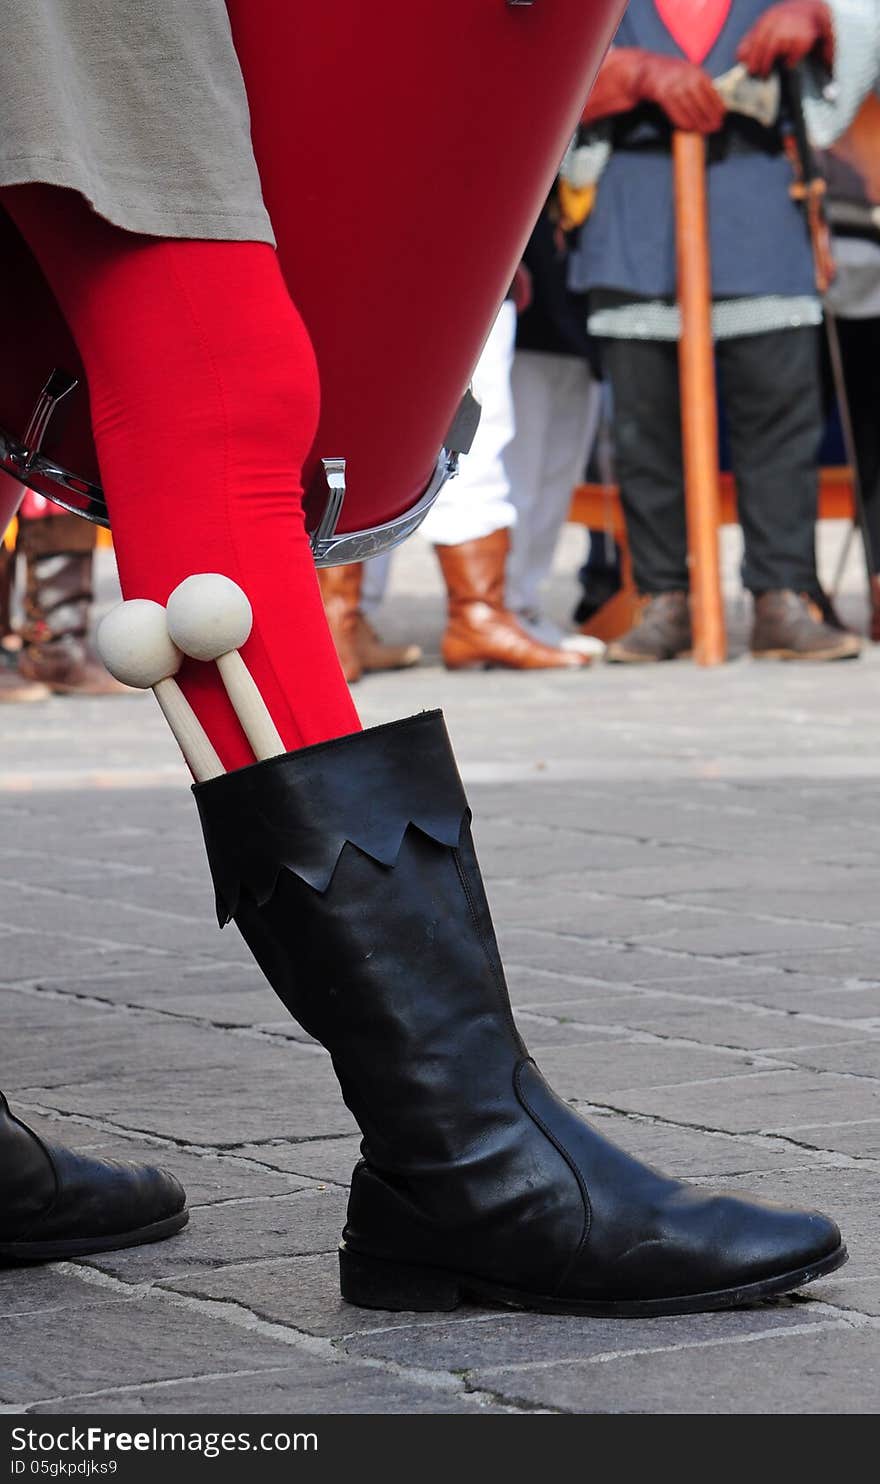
(758, 1242)
(105, 1203)
(722, 1249)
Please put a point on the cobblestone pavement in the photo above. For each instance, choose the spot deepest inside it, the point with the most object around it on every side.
(685, 868)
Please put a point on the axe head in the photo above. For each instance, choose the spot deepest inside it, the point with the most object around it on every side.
(756, 97)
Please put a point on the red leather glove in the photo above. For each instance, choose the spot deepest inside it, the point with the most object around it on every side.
(788, 33)
(630, 76)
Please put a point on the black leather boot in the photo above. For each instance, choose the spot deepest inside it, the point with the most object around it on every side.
(56, 1204)
(350, 870)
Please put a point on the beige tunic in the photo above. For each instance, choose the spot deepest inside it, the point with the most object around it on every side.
(137, 104)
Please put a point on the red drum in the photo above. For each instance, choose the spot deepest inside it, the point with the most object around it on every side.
(38, 444)
(405, 152)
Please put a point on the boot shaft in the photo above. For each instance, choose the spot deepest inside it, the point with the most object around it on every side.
(474, 571)
(58, 597)
(351, 872)
(341, 595)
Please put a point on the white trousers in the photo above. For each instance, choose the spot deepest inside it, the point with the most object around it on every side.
(377, 571)
(556, 406)
(477, 502)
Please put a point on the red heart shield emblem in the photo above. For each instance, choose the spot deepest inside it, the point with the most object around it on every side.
(694, 25)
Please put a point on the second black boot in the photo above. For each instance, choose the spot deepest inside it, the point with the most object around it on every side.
(55, 1203)
(350, 870)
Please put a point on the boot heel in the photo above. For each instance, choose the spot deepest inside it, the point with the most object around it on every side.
(373, 1283)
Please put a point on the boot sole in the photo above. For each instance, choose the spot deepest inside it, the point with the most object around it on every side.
(83, 1246)
(582, 663)
(827, 656)
(374, 1283)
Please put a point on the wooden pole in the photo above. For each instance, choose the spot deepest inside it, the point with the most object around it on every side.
(699, 415)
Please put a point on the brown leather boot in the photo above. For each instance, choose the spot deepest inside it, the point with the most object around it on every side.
(375, 655)
(663, 632)
(57, 604)
(359, 647)
(480, 631)
(788, 626)
(341, 591)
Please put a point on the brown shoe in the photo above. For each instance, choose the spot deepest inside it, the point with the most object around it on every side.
(68, 668)
(663, 632)
(789, 627)
(14, 689)
(480, 631)
(374, 654)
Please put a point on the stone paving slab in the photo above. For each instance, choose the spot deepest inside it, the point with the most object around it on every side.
(530, 1340)
(778, 1102)
(129, 1340)
(213, 1106)
(715, 1023)
(685, 866)
(255, 1227)
(309, 1386)
(834, 1369)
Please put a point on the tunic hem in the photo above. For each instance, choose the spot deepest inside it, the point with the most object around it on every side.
(222, 224)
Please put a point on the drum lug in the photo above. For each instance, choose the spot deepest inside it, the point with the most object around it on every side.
(59, 385)
(332, 550)
(333, 471)
(24, 460)
(465, 423)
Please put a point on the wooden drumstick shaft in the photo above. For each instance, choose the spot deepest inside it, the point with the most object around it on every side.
(699, 418)
(249, 706)
(189, 734)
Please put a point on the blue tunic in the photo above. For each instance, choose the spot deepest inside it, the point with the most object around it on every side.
(759, 242)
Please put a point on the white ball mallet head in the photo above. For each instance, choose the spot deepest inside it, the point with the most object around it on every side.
(209, 618)
(134, 643)
(208, 615)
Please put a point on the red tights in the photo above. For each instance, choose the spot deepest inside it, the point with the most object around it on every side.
(204, 395)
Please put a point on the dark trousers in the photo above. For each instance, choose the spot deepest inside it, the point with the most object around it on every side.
(860, 351)
(771, 389)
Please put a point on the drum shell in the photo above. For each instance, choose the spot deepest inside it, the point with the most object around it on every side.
(35, 340)
(405, 151)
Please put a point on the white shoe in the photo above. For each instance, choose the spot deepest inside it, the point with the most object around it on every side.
(546, 631)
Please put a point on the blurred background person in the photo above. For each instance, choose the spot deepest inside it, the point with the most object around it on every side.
(556, 401)
(766, 314)
(470, 525)
(50, 653)
(847, 121)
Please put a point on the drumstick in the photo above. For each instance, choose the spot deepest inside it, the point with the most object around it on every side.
(209, 618)
(133, 642)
